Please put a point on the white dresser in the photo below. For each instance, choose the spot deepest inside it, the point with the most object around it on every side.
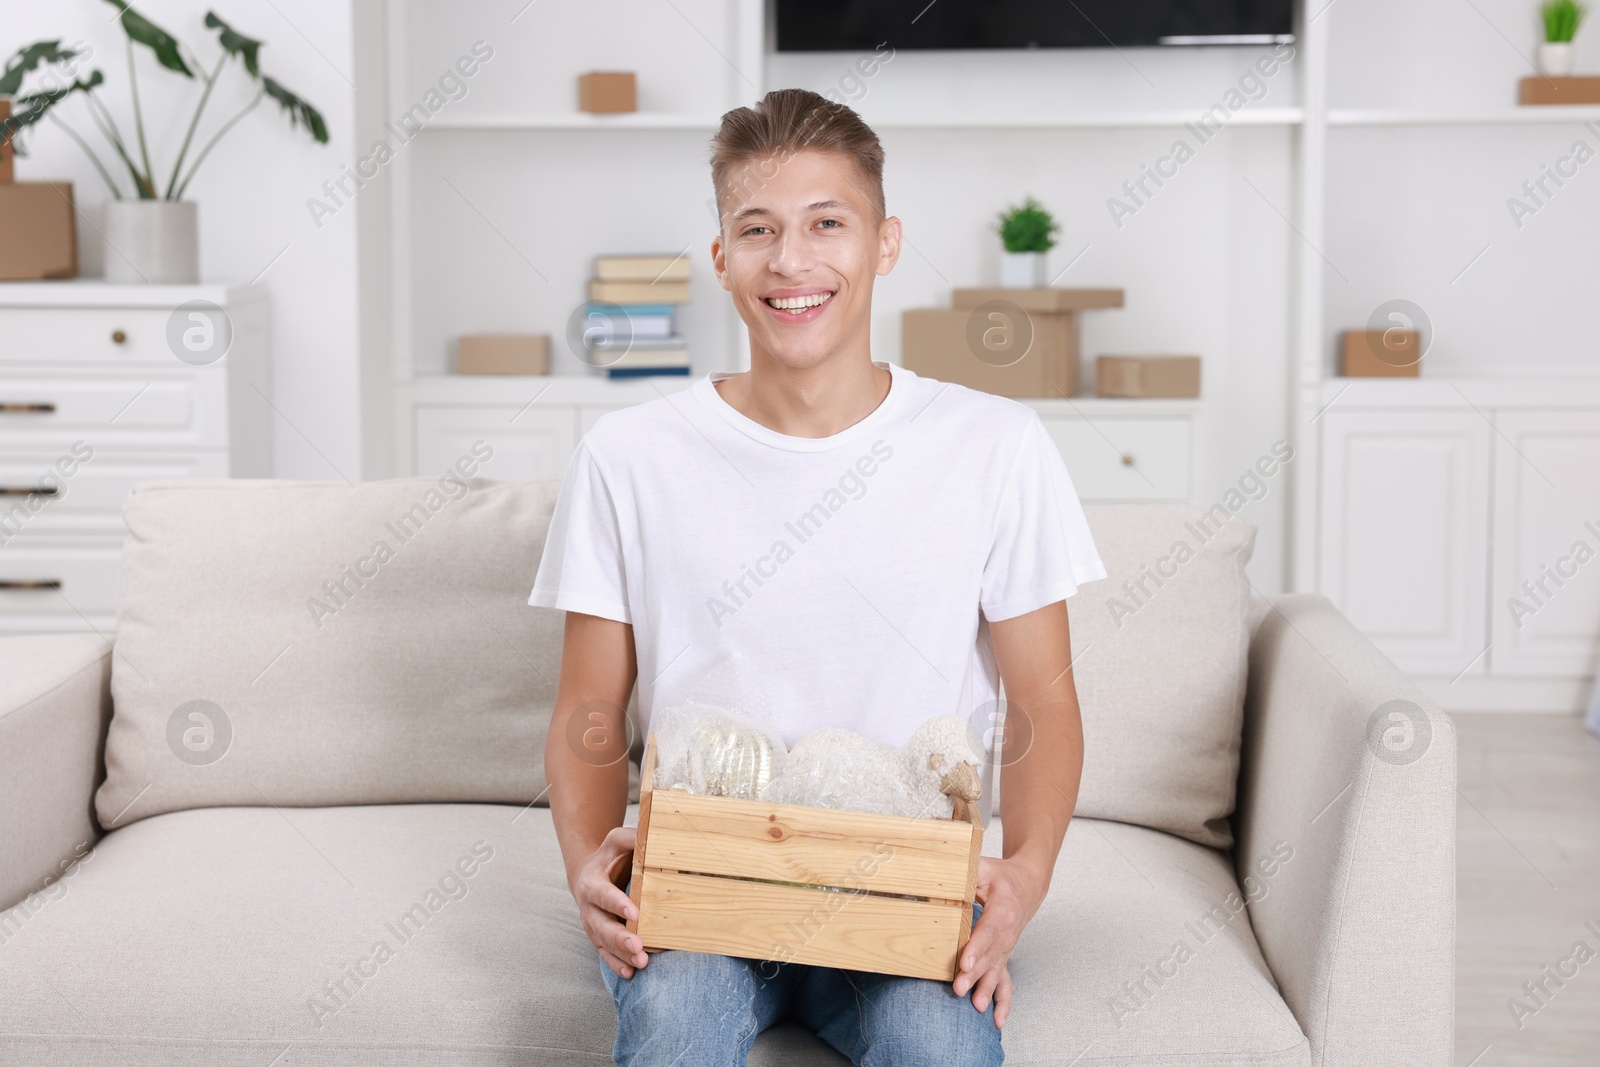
(102, 386)
(1459, 529)
(1116, 450)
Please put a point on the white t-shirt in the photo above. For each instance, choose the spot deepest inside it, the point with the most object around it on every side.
(847, 571)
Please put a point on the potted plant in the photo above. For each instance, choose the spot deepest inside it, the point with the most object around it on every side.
(1561, 21)
(1027, 232)
(151, 235)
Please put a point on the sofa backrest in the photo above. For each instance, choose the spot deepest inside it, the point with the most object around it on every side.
(312, 643)
(1160, 649)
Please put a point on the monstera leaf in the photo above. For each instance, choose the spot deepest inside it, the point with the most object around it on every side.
(299, 111)
(27, 59)
(236, 44)
(31, 107)
(141, 30)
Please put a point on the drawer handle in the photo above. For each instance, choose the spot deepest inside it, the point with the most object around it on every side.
(118, 337)
(1127, 459)
(26, 409)
(30, 583)
(27, 490)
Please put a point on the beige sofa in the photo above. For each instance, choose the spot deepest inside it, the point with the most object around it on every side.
(294, 815)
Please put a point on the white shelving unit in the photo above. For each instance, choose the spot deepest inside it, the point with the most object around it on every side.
(1355, 99)
(1417, 509)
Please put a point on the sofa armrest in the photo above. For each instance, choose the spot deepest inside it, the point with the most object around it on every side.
(55, 706)
(1348, 764)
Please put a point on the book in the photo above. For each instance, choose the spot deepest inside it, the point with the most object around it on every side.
(645, 372)
(639, 292)
(647, 268)
(631, 310)
(647, 327)
(642, 357)
(674, 340)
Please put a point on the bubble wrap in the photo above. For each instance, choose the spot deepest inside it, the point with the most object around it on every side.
(835, 768)
(720, 740)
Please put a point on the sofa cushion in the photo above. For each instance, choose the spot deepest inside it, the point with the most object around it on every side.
(1160, 650)
(312, 643)
(223, 936)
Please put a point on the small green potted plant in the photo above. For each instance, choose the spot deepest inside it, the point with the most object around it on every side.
(1561, 21)
(1027, 233)
(151, 235)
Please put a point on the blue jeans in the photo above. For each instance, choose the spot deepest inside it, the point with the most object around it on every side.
(695, 1009)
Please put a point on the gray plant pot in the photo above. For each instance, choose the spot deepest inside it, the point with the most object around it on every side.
(154, 242)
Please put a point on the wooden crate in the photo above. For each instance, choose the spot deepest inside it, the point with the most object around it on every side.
(708, 874)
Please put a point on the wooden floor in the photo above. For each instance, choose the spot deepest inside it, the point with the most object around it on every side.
(1528, 880)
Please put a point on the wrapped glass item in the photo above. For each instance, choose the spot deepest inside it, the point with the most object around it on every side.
(721, 741)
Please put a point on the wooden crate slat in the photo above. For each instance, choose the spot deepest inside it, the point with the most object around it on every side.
(758, 920)
(793, 843)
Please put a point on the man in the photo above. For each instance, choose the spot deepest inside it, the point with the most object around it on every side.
(882, 547)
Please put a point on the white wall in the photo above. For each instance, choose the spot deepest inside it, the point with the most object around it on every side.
(252, 190)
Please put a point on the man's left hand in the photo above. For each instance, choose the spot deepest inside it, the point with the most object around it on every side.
(1010, 893)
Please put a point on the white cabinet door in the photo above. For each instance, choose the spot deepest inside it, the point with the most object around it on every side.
(529, 442)
(1404, 515)
(1545, 605)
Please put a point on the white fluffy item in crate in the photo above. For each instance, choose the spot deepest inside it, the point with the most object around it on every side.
(835, 768)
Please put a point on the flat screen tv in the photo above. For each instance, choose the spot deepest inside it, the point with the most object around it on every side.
(850, 25)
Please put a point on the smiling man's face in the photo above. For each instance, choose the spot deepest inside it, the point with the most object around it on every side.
(803, 234)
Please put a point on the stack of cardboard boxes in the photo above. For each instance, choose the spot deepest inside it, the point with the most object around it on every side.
(1023, 343)
(38, 238)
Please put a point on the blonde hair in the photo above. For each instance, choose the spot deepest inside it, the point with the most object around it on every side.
(781, 124)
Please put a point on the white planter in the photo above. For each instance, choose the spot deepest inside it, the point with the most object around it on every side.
(1555, 58)
(1022, 270)
(155, 242)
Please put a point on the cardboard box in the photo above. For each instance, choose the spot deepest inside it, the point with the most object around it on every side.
(1048, 298)
(38, 231)
(1381, 354)
(503, 354)
(603, 92)
(1147, 376)
(708, 876)
(6, 173)
(1582, 89)
(954, 345)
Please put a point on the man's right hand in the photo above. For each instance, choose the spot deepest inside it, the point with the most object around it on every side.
(604, 908)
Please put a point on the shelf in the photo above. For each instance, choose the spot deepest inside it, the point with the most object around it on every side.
(1508, 117)
(633, 120)
(1553, 390)
(96, 292)
(1267, 116)
(499, 390)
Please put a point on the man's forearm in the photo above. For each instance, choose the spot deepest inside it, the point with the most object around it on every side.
(1041, 785)
(586, 749)
(587, 801)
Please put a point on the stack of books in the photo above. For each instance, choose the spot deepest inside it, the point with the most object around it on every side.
(630, 332)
